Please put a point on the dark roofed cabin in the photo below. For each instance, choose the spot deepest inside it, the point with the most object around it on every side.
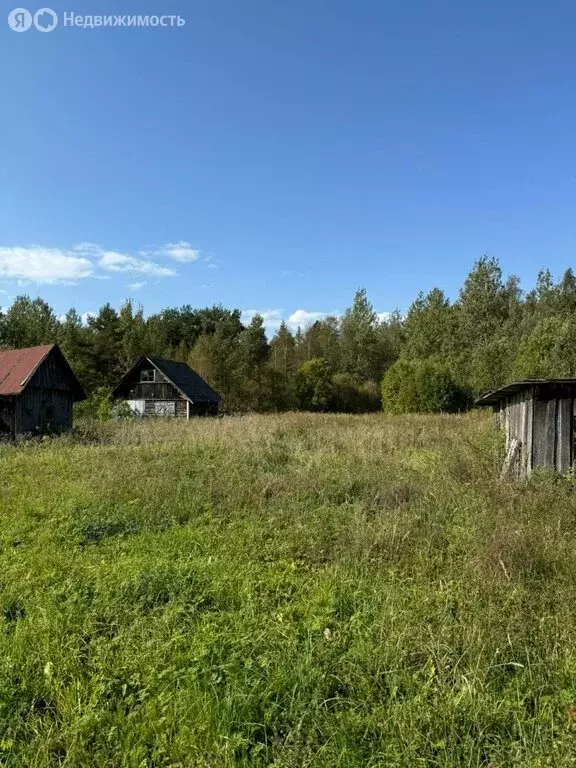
(37, 391)
(538, 416)
(158, 387)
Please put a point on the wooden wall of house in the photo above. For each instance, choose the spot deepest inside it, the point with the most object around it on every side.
(154, 391)
(180, 407)
(161, 389)
(518, 410)
(6, 416)
(33, 410)
(552, 444)
(51, 375)
(541, 418)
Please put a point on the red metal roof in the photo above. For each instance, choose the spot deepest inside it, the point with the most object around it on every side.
(17, 367)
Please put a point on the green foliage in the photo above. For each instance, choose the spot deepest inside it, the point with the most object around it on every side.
(97, 406)
(166, 591)
(550, 349)
(28, 323)
(314, 387)
(353, 396)
(490, 334)
(362, 352)
(120, 411)
(421, 386)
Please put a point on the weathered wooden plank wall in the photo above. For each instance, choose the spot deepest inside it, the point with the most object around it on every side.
(564, 434)
(32, 410)
(180, 408)
(542, 418)
(50, 375)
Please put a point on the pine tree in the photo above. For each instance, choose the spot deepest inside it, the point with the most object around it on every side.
(359, 340)
(282, 351)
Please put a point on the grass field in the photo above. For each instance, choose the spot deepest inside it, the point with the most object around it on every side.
(289, 591)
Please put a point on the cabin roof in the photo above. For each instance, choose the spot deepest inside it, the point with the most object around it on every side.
(188, 382)
(494, 396)
(18, 366)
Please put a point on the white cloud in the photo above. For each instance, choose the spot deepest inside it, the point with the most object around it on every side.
(137, 286)
(302, 319)
(383, 317)
(113, 261)
(40, 264)
(180, 251)
(272, 317)
(37, 264)
(122, 262)
(86, 315)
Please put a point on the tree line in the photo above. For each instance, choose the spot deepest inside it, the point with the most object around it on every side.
(437, 357)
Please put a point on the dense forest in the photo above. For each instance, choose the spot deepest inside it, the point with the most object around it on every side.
(435, 357)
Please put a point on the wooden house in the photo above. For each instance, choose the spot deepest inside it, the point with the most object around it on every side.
(158, 387)
(538, 416)
(37, 391)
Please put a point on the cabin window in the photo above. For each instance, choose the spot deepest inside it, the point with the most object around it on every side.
(148, 375)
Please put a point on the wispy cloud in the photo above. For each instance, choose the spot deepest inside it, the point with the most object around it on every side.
(181, 251)
(37, 264)
(114, 261)
(44, 265)
(137, 286)
(121, 262)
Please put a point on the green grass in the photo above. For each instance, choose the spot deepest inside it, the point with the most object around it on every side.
(165, 590)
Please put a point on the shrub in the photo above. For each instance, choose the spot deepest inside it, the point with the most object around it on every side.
(314, 387)
(422, 386)
(353, 396)
(97, 406)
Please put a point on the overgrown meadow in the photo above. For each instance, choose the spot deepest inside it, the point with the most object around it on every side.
(295, 590)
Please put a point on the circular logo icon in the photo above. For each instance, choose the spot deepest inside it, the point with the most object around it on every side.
(20, 20)
(45, 20)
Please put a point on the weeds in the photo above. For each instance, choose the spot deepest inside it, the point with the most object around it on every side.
(284, 591)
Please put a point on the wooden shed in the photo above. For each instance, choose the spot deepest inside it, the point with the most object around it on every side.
(37, 391)
(155, 386)
(538, 416)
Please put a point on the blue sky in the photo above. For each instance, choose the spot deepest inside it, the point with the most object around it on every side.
(276, 156)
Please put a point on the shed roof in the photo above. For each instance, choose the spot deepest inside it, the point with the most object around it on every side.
(17, 366)
(494, 396)
(188, 382)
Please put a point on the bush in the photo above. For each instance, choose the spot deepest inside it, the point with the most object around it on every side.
(353, 396)
(422, 386)
(97, 406)
(314, 387)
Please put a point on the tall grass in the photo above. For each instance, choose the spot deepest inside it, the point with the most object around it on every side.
(284, 591)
